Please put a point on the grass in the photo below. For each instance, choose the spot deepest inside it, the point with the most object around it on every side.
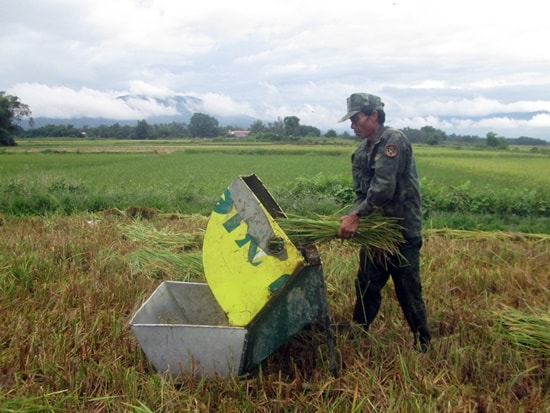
(67, 292)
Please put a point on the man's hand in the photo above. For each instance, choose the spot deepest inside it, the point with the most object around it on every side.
(348, 225)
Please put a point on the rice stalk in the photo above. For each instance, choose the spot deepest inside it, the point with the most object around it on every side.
(186, 264)
(380, 236)
(165, 238)
(165, 251)
(527, 330)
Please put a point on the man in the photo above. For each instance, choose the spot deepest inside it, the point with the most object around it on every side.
(385, 178)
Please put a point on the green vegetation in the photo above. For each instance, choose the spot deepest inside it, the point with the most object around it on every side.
(481, 189)
(187, 181)
(464, 189)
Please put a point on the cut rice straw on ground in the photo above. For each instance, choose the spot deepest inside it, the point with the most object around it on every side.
(448, 233)
(379, 235)
(165, 250)
(161, 238)
(185, 265)
(527, 330)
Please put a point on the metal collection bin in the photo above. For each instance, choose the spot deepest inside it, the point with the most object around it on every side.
(183, 327)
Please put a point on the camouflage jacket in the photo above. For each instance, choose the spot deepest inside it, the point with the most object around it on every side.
(387, 179)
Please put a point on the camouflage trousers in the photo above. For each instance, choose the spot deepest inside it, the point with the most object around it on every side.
(405, 273)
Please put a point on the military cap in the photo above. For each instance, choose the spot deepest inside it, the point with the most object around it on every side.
(358, 102)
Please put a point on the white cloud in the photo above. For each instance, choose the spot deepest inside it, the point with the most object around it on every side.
(139, 87)
(224, 105)
(540, 121)
(63, 102)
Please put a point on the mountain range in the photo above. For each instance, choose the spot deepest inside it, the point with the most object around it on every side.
(184, 106)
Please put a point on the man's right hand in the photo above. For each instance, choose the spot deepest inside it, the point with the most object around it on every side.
(348, 225)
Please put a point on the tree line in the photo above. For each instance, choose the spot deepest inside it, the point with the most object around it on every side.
(287, 129)
(201, 125)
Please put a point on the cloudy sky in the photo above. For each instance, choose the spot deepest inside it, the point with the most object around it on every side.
(467, 67)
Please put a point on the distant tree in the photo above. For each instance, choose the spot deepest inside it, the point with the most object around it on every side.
(496, 142)
(116, 131)
(292, 125)
(143, 130)
(414, 135)
(12, 110)
(426, 134)
(257, 127)
(268, 136)
(525, 140)
(503, 143)
(178, 130)
(331, 133)
(306, 130)
(474, 139)
(277, 127)
(168, 130)
(55, 131)
(432, 136)
(226, 130)
(203, 126)
(492, 140)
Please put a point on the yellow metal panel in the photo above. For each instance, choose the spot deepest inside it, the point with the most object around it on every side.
(240, 274)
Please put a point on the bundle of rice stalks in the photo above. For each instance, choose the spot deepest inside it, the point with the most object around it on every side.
(379, 235)
(165, 251)
(165, 238)
(183, 266)
(528, 330)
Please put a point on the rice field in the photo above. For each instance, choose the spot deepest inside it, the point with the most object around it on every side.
(70, 282)
(178, 176)
(496, 170)
(187, 181)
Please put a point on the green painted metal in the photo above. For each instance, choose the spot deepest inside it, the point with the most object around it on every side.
(301, 301)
